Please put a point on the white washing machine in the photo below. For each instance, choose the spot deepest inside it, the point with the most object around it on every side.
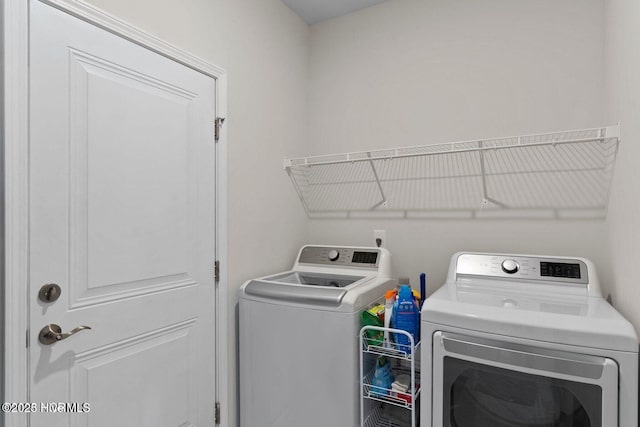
(299, 337)
(520, 340)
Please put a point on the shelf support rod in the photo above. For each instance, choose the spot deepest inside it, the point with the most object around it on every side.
(299, 191)
(485, 197)
(375, 174)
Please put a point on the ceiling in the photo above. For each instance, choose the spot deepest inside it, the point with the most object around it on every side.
(313, 11)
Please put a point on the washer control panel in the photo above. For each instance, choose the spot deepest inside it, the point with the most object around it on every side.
(517, 267)
(349, 257)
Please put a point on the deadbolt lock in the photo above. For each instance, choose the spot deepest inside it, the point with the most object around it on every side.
(49, 292)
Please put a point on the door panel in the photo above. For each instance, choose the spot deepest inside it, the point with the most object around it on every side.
(124, 221)
(125, 364)
(122, 217)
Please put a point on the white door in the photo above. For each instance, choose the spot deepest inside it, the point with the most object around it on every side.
(122, 218)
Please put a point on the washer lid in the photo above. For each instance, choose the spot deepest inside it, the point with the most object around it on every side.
(310, 295)
(581, 321)
(302, 287)
(314, 279)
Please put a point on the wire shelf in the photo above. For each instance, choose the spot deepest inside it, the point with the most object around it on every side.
(387, 395)
(556, 175)
(388, 347)
(379, 418)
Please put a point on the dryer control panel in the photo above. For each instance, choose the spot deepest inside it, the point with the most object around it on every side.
(523, 267)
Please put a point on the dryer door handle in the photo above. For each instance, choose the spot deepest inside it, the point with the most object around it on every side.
(559, 362)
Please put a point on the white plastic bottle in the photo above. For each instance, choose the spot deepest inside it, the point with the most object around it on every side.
(390, 299)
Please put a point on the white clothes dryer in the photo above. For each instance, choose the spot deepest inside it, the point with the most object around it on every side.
(299, 333)
(522, 340)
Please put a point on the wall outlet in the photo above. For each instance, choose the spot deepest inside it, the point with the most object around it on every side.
(379, 238)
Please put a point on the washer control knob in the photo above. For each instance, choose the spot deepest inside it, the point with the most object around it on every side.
(510, 266)
(333, 255)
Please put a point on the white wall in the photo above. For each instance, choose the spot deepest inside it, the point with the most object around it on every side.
(622, 65)
(412, 72)
(263, 46)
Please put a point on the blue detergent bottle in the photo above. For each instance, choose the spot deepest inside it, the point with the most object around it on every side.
(406, 316)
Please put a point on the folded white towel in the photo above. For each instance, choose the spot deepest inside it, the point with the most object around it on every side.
(401, 383)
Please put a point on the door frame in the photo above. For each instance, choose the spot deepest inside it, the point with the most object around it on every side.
(14, 186)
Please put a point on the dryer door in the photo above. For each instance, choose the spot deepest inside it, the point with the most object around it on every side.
(500, 384)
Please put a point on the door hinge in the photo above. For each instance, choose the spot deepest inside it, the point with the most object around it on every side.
(216, 270)
(217, 416)
(218, 124)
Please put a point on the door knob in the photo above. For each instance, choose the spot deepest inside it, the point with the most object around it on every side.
(53, 333)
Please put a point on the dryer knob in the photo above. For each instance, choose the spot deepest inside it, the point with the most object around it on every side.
(510, 266)
(333, 255)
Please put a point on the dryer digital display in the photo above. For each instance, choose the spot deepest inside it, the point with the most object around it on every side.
(560, 269)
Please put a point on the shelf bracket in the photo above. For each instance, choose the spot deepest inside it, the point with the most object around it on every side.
(298, 189)
(611, 132)
(375, 174)
(485, 197)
